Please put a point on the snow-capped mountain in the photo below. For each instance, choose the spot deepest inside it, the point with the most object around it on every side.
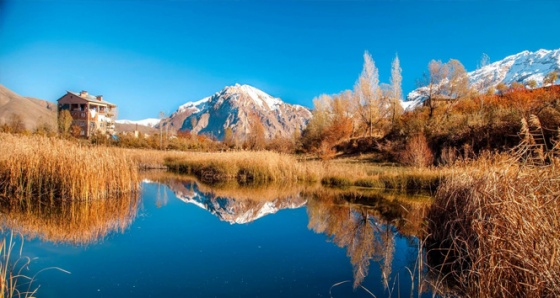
(150, 122)
(522, 68)
(232, 210)
(235, 107)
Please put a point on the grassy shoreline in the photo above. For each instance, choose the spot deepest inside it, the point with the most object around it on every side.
(261, 167)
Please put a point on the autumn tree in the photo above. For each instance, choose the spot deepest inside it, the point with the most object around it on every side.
(314, 132)
(550, 78)
(445, 81)
(64, 122)
(256, 139)
(340, 122)
(368, 94)
(532, 84)
(457, 82)
(229, 139)
(396, 91)
(332, 122)
(161, 117)
(501, 88)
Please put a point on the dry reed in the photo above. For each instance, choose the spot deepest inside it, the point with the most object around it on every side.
(13, 281)
(495, 230)
(258, 167)
(246, 167)
(35, 166)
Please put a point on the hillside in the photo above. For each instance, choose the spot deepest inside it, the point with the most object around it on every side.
(33, 111)
(236, 107)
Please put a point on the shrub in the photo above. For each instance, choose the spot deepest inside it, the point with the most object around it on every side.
(417, 152)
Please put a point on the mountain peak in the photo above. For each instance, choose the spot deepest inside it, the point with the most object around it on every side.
(233, 106)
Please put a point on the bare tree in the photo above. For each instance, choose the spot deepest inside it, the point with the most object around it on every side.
(437, 73)
(484, 60)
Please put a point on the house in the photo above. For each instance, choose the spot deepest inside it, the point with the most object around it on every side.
(90, 113)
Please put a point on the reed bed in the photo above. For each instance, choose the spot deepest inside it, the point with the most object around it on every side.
(345, 173)
(258, 167)
(147, 159)
(35, 166)
(495, 230)
(246, 167)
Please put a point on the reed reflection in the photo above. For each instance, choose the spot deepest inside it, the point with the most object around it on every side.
(68, 221)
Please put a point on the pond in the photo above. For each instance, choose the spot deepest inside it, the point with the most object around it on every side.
(181, 238)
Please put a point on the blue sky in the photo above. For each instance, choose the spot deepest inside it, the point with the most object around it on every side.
(149, 56)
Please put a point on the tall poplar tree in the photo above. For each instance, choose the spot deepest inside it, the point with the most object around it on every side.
(368, 93)
(396, 90)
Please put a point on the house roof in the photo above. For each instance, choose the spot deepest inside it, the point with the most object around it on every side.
(92, 98)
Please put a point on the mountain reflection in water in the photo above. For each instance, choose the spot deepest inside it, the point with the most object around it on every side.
(365, 223)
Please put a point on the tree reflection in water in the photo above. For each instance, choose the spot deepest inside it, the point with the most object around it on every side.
(366, 231)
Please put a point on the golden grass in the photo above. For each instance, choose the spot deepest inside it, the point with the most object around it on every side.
(355, 172)
(35, 166)
(258, 167)
(149, 158)
(246, 167)
(495, 230)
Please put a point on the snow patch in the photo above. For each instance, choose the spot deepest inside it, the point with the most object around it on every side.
(196, 105)
(151, 122)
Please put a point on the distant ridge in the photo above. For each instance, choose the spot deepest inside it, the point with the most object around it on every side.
(521, 68)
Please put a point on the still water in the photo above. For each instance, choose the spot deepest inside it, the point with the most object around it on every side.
(184, 239)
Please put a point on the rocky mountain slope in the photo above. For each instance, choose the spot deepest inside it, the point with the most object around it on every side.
(32, 111)
(521, 68)
(237, 107)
